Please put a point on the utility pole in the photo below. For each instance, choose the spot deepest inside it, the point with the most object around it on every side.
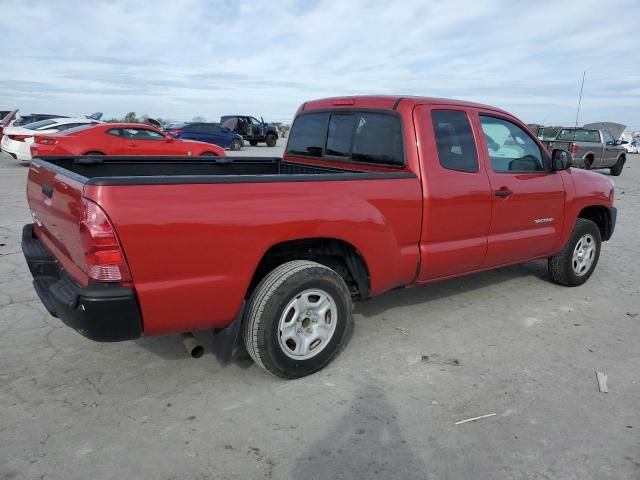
(580, 98)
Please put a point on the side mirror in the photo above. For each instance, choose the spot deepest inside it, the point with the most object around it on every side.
(561, 160)
(621, 142)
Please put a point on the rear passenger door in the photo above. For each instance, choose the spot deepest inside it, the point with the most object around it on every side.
(457, 198)
(527, 198)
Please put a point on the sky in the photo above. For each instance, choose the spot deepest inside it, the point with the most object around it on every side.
(179, 59)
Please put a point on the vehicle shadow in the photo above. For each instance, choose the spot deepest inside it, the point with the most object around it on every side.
(448, 288)
(366, 442)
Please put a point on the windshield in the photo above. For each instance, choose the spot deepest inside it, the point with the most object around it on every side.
(39, 125)
(77, 129)
(579, 135)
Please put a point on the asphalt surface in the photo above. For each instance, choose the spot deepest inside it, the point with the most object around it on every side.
(507, 342)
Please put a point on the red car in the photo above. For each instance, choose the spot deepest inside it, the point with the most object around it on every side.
(119, 139)
(373, 193)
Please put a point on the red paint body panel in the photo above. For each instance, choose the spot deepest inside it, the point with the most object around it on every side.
(96, 139)
(193, 249)
(192, 261)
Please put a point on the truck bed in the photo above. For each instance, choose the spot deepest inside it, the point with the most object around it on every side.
(139, 170)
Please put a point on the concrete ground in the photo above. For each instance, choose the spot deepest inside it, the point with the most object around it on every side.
(507, 342)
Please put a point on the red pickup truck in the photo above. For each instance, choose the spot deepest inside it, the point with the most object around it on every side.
(373, 193)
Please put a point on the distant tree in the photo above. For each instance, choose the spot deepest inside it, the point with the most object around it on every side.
(198, 118)
(130, 118)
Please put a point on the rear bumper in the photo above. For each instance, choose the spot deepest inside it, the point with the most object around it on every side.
(100, 312)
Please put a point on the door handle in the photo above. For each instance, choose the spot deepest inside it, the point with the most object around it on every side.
(503, 192)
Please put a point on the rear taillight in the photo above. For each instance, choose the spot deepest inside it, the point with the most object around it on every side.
(102, 251)
(19, 138)
(46, 141)
(176, 132)
(574, 148)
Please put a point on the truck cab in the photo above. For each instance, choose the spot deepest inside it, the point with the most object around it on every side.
(252, 130)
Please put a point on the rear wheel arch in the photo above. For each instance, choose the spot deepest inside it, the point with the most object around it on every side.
(339, 255)
(94, 152)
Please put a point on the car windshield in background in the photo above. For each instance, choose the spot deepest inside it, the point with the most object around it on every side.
(579, 135)
(77, 129)
(40, 124)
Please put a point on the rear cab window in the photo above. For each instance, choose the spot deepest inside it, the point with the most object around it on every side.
(368, 137)
(579, 135)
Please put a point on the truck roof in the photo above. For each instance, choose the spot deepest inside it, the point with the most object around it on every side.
(387, 102)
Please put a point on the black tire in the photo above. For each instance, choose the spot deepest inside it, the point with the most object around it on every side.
(95, 154)
(253, 143)
(616, 170)
(266, 308)
(236, 144)
(208, 154)
(271, 140)
(588, 162)
(562, 267)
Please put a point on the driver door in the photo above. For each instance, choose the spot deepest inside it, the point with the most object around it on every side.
(527, 208)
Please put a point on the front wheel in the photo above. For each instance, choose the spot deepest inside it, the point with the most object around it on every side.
(578, 259)
(616, 170)
(297, 319)
(271, 140)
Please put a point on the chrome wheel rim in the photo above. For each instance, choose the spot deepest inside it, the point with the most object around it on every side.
(583, 254)
(307, 324)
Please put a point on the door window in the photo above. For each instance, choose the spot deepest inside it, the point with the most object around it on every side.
(454, 140)
(142, 134)
(510, 148)
(608, 138)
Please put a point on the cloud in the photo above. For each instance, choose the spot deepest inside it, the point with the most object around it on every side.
(197, 57)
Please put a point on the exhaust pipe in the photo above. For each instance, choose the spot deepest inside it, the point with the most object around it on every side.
(191, 345)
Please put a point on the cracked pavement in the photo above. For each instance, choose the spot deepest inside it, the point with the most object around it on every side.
(507, 342)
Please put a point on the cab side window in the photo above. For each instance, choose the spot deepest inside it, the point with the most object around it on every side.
(142, 134)
(454, 140)
(608, 138)
(510, 148)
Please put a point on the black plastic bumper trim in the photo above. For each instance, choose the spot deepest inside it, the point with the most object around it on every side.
(100, 312)
(613, 216)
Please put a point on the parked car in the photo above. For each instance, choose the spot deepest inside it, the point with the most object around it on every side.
(373, 193)
(630, 147)
(207, 132)
(119, 139)
(17, 141)
(252, 130)
(34, 117)
(594, 146)
(6, 121)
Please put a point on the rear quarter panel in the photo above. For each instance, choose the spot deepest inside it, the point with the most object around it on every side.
(193, 249)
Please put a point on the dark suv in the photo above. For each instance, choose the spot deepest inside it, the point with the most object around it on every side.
(251, 129)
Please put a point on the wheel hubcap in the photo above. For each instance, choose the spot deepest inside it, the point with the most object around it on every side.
(307, 324)
(583, 254)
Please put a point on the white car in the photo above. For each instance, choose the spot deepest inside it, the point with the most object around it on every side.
(17, 141)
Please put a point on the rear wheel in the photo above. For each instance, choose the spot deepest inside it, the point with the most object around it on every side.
(578, 259)
(236, 144)
(208, 154)
(271, 140)
(616, 170)
(94, 153)
(297, 319)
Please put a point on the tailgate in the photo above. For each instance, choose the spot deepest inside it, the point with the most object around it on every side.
(55, 200)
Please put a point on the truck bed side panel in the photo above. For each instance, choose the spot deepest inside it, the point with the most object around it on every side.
(193, 249)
